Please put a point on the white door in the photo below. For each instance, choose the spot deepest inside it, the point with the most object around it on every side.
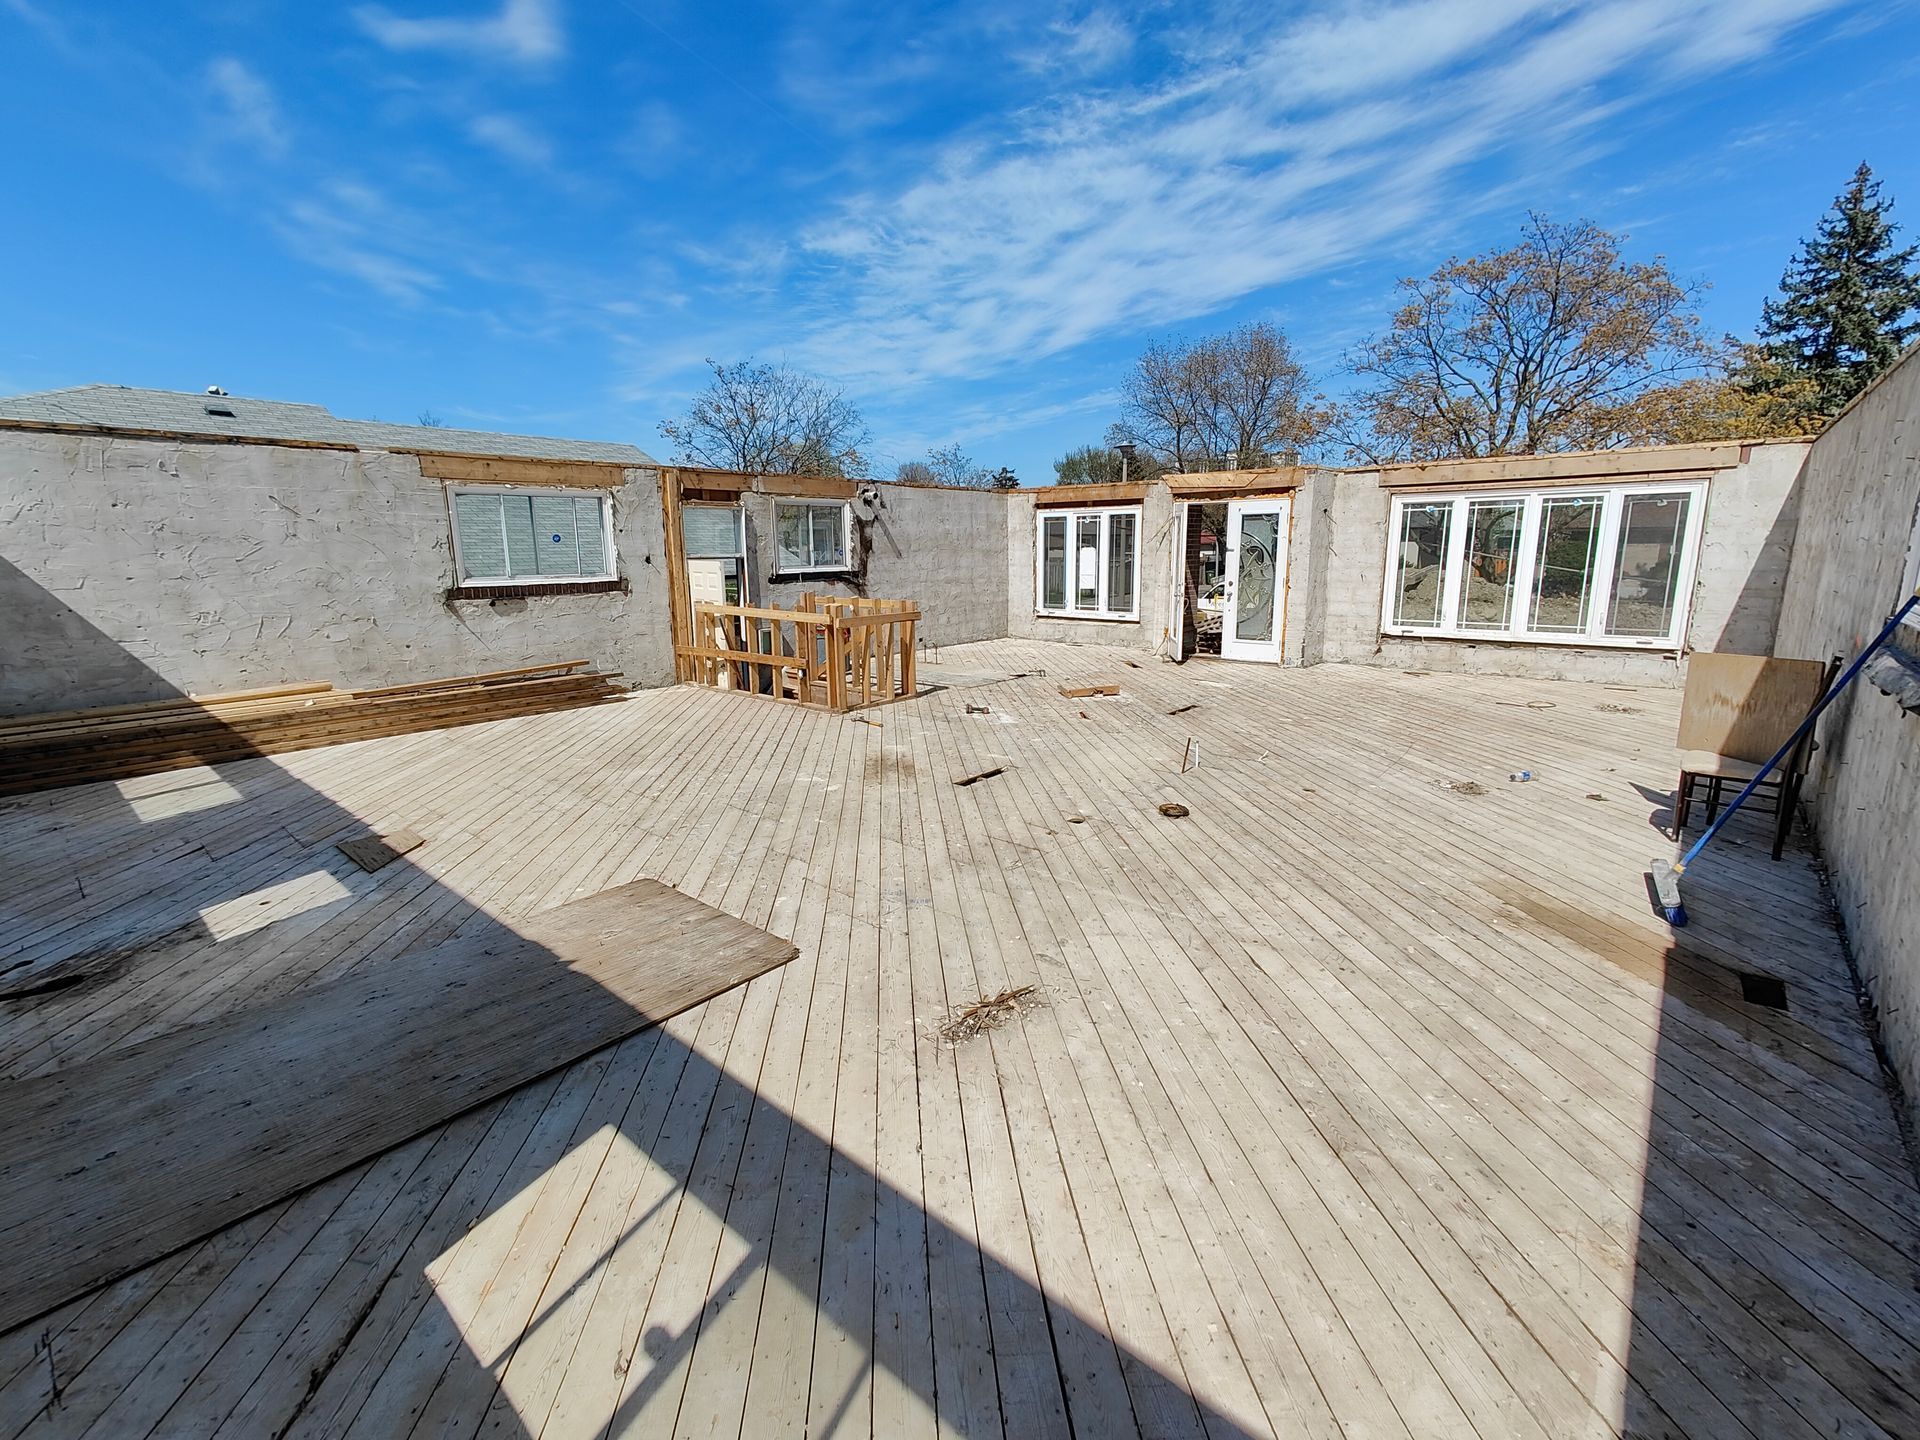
(1256, 575)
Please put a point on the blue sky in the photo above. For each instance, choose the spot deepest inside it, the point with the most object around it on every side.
(543, 215)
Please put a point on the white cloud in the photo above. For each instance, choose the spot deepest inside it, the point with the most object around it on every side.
(247, 105)
(512, 138)
(527, 32)
(1291, 152)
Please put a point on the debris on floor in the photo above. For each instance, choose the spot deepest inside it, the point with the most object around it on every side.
(1190, 758)
(373, 852)
(1520, 777)
(983, 775)
(979, 710)
(1081, 692)
(1462, 787)
(1076, 819)
(1595, 795)
(1174, 810)
(1610, 708)
(1183, 709)
(863, 720)
(989, 1012)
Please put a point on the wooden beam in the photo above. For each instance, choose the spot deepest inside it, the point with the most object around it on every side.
(197, 437)
(506, 470)
(1270, 480)
(1563, 469)
(1056, 495)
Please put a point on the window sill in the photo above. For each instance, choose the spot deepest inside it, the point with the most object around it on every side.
(518, 590)
(814, 577)
(1086, 615)
(1660, 646)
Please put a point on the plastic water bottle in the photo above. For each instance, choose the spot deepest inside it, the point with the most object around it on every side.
(1520, 776)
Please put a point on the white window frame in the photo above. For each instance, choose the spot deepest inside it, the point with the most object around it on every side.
(611, 559)
(1613, 496)
(1073, 515)
(780, 566)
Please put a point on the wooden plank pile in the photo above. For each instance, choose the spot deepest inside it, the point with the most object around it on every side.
(46, 752)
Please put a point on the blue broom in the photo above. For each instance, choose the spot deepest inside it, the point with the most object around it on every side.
(1666, 874)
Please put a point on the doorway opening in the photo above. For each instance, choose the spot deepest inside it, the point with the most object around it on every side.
(1233, 566)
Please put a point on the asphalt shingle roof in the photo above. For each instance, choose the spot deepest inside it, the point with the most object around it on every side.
(118, 407)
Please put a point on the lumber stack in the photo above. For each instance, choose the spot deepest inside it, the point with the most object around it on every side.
(46, 752)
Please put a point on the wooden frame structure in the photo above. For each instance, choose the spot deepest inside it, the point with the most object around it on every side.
(833, 652)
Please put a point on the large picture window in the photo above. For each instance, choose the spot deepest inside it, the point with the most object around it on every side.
(1088, 563)
(1600, 565)
(531, 536)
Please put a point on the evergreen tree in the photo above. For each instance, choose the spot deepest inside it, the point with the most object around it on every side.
(1847, 303)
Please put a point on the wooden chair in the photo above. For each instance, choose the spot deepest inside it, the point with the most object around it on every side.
(1737, 711)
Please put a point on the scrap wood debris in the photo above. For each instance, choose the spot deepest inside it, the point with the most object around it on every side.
(983, 775)
(1081, 692)
(1183, 709)
(989, 1012)
(372, 852)
(1462, 787)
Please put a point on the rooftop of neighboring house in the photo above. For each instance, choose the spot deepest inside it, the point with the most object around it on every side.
(121, 408)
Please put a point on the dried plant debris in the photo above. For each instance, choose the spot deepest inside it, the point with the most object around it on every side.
(989, 1012)
(1462, 787)
(1174, 810)
(1595, 795)
(1609, 708)
(983, 775)
(1181, 710)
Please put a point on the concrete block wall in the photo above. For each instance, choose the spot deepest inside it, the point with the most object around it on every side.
(132, 569)
(1746, 545)
(1857, 555)
(1156, 580)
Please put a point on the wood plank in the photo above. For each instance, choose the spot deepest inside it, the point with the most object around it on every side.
(1662, 460)
(511, 470)
(373, 852)
(96, 1180)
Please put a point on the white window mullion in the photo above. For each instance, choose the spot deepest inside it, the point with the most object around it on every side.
(1612, 507)
(1454, 577)
(1527, 549)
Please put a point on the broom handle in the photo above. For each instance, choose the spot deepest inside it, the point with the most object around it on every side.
(1805, 725)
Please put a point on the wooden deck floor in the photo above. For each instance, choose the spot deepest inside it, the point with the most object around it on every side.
(1358, 1105)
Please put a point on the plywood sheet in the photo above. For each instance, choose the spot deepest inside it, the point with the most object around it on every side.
(1745, 706)
(107, 1166)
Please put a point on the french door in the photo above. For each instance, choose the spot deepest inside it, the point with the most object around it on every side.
(1254, 616)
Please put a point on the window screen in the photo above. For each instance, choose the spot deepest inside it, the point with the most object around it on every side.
(711, 532)
(531, 537)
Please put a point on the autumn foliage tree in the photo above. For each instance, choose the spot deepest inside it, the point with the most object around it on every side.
(1558, 343)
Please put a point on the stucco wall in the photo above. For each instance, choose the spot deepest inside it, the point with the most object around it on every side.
(1855, 559)
(1746, 545)
(129, 566)
(943, 548)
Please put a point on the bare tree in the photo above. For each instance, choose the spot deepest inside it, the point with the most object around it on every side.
(1233, 399)
(770, 420)
(915, 472)
(1555, 344)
